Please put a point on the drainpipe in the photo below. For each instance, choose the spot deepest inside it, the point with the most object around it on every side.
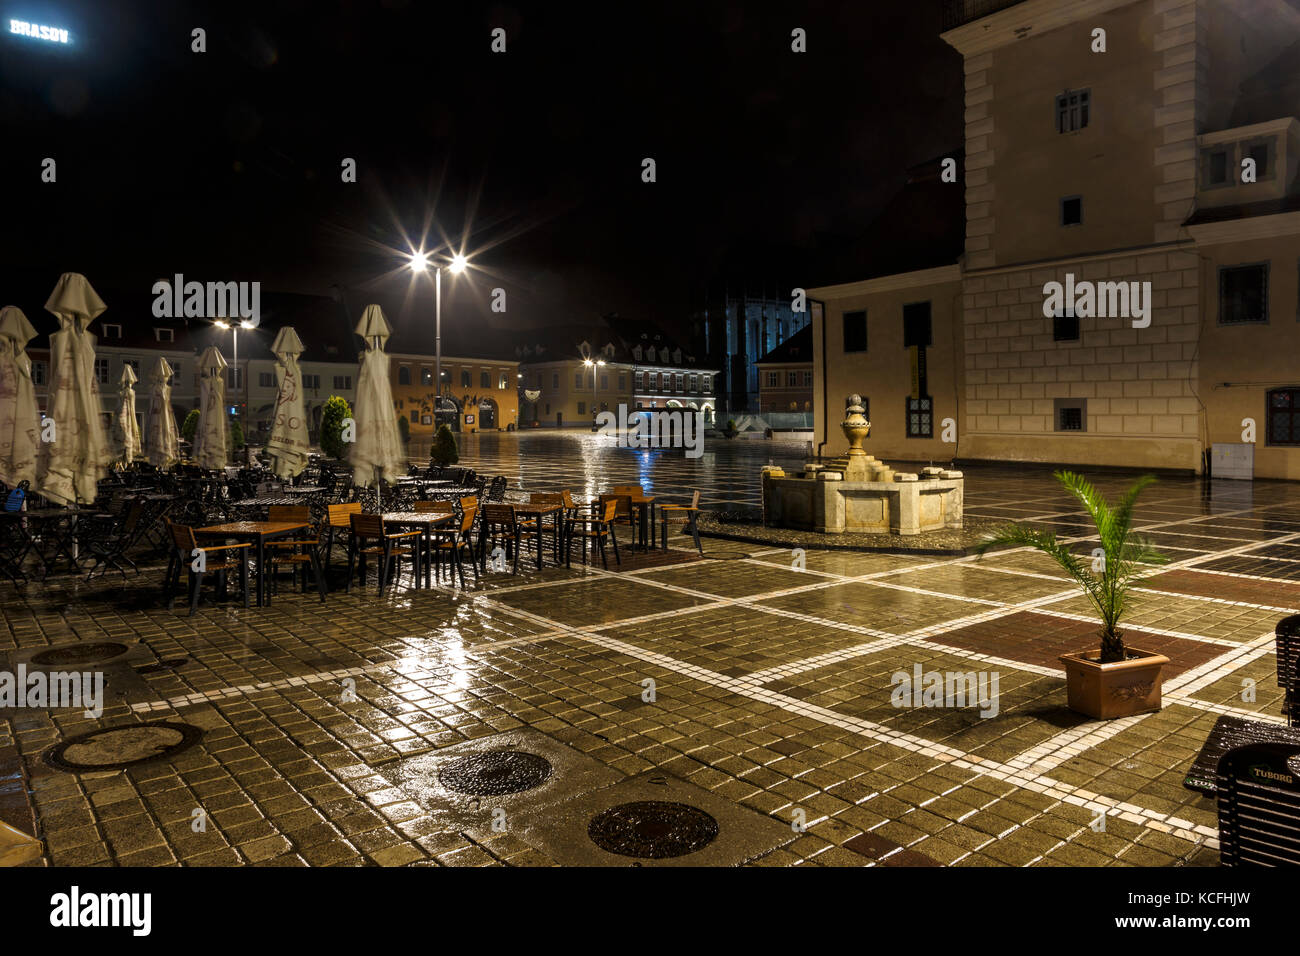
(826, 423)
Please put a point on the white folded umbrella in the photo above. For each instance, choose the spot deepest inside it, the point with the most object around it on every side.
(19, 417)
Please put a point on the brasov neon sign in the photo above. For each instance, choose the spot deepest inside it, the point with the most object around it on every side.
(38, 32)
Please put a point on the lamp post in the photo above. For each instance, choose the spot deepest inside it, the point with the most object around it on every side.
(234, 327)
(591, 365)
(420, 262)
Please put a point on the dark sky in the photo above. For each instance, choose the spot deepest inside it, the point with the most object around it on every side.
(226, 165)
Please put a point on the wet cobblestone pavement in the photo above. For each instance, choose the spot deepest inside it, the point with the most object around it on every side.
(763, 688)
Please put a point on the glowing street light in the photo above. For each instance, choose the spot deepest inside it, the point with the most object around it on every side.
(420, 262)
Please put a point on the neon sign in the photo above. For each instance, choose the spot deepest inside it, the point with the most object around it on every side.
(37, 32)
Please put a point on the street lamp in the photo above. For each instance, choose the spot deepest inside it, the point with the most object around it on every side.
(420, 262)
(234, 327)
(589, 363)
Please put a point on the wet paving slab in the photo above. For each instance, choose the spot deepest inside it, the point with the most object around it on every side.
(351, 732)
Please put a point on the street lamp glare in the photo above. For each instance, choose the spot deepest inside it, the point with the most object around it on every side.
(419, 261)
(458, 264)
(221, 324)
(245, 324)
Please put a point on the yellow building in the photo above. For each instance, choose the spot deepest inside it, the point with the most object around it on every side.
(1127, 291)
(478, 394)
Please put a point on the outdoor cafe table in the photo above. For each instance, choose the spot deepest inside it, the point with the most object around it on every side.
(424, 521)
(538, 513)
(258, 532)
(645, 506)
(305, 490)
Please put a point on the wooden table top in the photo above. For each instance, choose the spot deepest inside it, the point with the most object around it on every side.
(418, 517)
(536, 508)
(235, 528)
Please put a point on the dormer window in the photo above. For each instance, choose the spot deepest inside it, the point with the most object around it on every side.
(164, 335)
(112, 331)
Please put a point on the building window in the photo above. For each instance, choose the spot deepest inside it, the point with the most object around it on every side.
(555, 380)
(404, 375)
(502, 384)
(772, 379)
(266, 380)
(708, 384)
(639, 378)
(807, 379)
(1072, 211)
(1214, 166)
(920, 417)
(1261, 152)
(1072, 110)
(426, 419)
(465, 378)
(792, 379)
(311, 381)
(485, 380)
(101, 371)
(111, 331)
(582, 408)
(577, 380)
(1071, 414)
(1284, 416)
(622, 382)
(426, 376)
(1243, 294)
(343, 381)
(678, 386)
(164, 335)
(415, 418)
(916, 325)
(604, 383)
(38, 373)
(232, 377)
(855, 331)
(1065, 327)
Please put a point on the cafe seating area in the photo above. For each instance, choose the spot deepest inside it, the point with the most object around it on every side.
(250, 535)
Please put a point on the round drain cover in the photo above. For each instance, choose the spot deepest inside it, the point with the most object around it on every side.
(494, 773)
(652, 829)
(115, 748)
(79, 654)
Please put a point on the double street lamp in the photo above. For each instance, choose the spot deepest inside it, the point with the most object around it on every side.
(590, 364)
(420, 262)
(234, 327)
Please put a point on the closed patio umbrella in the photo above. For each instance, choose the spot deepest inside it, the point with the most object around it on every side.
(19, 417)
(211, 439)
(68, 469)
(288, 445)
(377, 451)
(163, 438)
(128, 432)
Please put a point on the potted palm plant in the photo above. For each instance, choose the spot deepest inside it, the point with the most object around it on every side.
(1117, 680)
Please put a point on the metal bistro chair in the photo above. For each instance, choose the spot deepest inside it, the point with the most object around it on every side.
(624, 514)
(217, 559)
(114, 537)
(685, 515)
(388, 549)
(496, 491)
(596, 527)
(452, 541)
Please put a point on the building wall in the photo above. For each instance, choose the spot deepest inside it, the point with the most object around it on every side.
(883, 373)
(1138, 383)
(415, 397)
(784, 397)
(336, 378)
(564, 402)
(1239, 364)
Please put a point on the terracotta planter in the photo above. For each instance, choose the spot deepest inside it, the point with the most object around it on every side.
(1121, 689)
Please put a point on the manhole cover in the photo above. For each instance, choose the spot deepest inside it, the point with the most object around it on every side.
(115, 748)
(495, 773)
(652, 829)
(80, 654)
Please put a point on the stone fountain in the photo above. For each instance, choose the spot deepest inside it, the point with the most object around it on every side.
(857, 493)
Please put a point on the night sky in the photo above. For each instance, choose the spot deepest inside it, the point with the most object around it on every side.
(226, 164)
